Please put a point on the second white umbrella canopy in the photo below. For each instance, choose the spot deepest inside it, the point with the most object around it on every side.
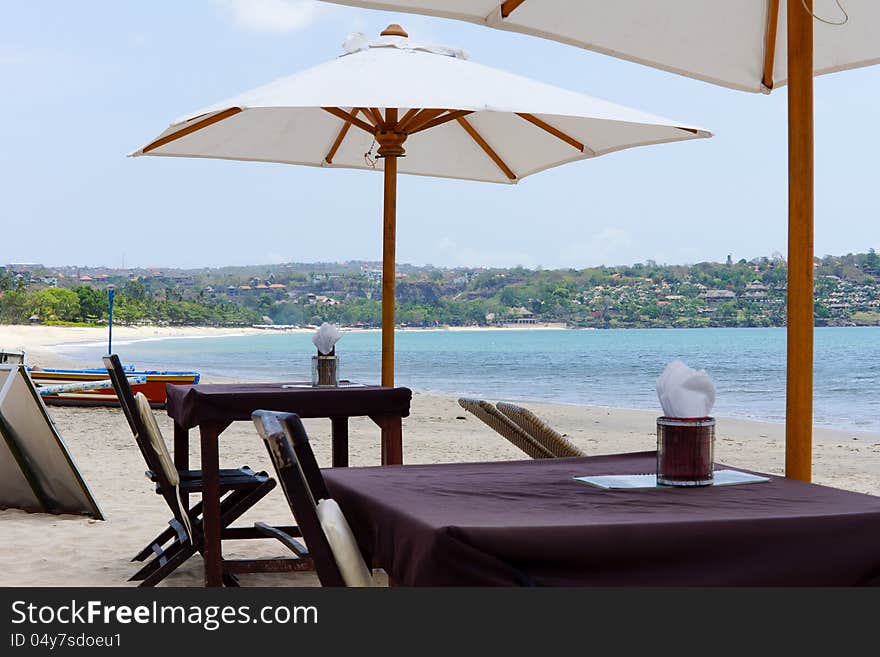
(732, 43)
(397, 105)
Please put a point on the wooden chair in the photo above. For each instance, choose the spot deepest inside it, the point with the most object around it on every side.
(337, 559)
(504, 426)
(240, 488)
(553, 441)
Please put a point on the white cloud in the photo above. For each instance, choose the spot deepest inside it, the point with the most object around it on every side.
(273, 15)
(10, 59)
(610, 240)
(609, 246)
(453, 253)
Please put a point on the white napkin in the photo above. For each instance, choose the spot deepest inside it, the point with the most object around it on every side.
(326, 337)
(685, 392)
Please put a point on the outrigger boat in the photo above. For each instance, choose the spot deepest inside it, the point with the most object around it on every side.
(92, 386)
(150, 382)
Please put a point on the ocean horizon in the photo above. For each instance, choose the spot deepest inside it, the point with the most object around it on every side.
(614, 368)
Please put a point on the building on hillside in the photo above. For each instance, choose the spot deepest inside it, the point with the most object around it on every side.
(320, 300)
(718, 296)
(373, 274)
(521, 316)
(757, 296)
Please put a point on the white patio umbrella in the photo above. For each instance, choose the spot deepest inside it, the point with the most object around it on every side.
(751, 45)
(391, 98)
(733, 43)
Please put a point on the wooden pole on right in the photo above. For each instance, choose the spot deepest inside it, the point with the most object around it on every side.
(799, 392)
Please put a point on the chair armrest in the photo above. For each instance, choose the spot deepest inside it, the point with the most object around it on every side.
(292, 544)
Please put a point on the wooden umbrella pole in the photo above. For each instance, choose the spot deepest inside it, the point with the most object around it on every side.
(389, 238)
(390, 148)
(799, 396)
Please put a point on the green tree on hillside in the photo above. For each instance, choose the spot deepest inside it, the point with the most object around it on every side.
(14, 309)
(93, 304)
(55, 304)
(872, 262)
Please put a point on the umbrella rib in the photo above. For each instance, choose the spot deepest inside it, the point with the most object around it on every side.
(482, 143)
(405, 119)
(556, 132)
(204, 123)
(509, 6)
(377, 115)
(421, 119)
(338, 141)
(770, 46)
(368, 116)
(351, 118)
(440, 120)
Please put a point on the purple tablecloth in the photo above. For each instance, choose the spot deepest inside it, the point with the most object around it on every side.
(193, 405)
(528, 522)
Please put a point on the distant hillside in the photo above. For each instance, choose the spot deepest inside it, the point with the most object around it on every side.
(643, 295)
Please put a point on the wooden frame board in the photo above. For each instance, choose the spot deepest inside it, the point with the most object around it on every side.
(37, 472)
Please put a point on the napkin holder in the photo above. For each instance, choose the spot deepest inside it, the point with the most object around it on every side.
(685, 451)
(325, 370)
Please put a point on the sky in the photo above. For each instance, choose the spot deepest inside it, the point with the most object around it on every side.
(85, 83)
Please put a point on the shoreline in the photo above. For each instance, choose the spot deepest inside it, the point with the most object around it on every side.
(44, 342)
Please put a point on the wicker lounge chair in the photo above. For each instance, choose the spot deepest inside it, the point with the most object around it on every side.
(504, 426)
(553, 441)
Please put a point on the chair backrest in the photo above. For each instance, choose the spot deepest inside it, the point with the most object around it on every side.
(557, 444)
(167, 476)
(500, 423)
(148, 437)
(288, 447)
(128, 405)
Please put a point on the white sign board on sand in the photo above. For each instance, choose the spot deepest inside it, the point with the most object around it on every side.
(37, 472)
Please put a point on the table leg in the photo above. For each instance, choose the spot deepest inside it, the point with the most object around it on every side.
(340, 441)
(181, 455)
(210, 464)
(392, 438)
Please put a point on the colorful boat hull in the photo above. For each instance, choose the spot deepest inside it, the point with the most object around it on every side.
(153, 387)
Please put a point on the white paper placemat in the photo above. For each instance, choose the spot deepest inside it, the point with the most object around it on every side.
(720, 478)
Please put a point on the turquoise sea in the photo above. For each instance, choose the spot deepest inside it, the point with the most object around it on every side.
(614, 368)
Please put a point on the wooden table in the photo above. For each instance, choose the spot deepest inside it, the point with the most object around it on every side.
(529, 523)
(213, 407)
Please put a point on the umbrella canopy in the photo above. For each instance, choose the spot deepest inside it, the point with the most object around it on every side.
(732, 43)
(391, 98)
(752, 45)
(529, 125)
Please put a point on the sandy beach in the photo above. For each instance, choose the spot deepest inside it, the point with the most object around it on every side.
(45, 550)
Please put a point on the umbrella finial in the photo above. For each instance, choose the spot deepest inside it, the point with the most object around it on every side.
(394, 30)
